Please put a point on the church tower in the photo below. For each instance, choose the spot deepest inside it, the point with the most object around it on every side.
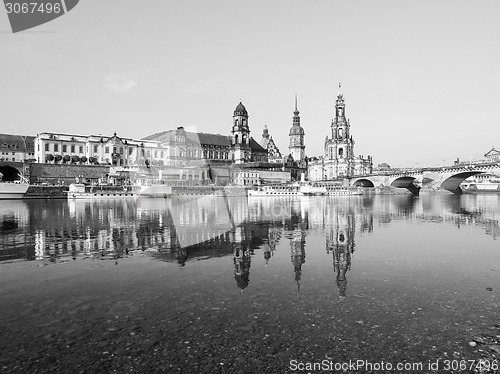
(341, 146)
(297, 146)
(241, 135)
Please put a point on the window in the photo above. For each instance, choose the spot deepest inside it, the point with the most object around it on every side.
(95, 149)
(56, 147)
(13, 153)
(161, 154)
(106, 150)
(114, 150)
(81, 149)
(46, 147)
(121, 150)
(156, 154)
(72, 148)
(130, 150)
(65, 148)
(148, 153)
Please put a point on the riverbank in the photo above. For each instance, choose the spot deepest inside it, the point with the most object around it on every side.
(46, 192)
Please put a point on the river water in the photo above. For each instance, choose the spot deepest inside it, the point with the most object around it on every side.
(237, 285)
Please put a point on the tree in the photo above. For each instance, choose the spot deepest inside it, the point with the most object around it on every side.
(58, 158)
(66, 158)
(83, 159)
(49, 157)
(75, 159)
(92, 160)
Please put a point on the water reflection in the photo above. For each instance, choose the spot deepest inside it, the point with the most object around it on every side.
(180, 230)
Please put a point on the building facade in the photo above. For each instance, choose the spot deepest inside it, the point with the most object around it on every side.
(493, 155)
(339, 160)
(97, 150)
(273, 153)
(16, 148)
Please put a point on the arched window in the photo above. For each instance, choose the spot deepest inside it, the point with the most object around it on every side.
(341, 152)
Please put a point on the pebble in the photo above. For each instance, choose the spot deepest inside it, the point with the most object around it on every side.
(472, 344)
(495, 348)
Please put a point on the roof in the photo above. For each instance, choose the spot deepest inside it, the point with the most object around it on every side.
(296, 130)
(492, 152)
(20, 143)
(256, 146)
(240, 110)
(194, 137)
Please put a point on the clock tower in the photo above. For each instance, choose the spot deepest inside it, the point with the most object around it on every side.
(297, 146)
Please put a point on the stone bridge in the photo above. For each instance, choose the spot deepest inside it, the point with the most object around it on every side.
(447, 177)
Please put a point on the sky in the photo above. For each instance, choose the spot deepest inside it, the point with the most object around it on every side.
(421, 79)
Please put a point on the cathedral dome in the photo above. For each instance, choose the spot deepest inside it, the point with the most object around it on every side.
(296, 130)
(240, 110)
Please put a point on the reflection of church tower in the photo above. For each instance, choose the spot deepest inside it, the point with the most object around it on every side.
(298, 253)
(241, 134)
(241, 259)
(341, 242)
(297, 146)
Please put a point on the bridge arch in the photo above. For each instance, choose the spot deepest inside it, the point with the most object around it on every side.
(363, 182)
(452, 183)
(9, 173)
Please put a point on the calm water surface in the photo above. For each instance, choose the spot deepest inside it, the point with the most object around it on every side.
(236, 285)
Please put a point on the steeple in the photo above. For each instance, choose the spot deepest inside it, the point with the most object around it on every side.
(296, 118)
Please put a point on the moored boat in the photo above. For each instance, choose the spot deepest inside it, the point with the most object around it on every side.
(491, 185)
(81, 191)
(13, 190)
(303, 189)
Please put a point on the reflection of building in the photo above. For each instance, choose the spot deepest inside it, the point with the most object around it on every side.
(339, 160)
(298, 253)
(241, 258)
(340, 241)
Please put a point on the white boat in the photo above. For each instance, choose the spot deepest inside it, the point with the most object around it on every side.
(313, 190)
(491, 185)
(13, 190)
(303, 189)
(276, 190)
(81, 191)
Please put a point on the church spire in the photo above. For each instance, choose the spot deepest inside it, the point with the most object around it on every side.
(296, 118)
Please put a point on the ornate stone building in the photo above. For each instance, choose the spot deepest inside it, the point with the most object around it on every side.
(273, 153)
(297, 147)
(189, 147)
(339, 160)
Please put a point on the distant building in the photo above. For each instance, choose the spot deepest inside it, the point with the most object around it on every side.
(492, 155)
(339, 160)
(17, 148)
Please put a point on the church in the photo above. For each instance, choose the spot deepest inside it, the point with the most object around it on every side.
(339, 160)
